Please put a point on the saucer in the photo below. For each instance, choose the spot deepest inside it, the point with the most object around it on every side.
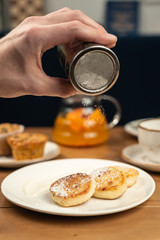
(51, 151)
(132, 127)
(135, 155)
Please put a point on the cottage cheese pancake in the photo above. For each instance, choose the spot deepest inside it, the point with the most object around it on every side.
(110, 182)
(131, 175)
(73, 189)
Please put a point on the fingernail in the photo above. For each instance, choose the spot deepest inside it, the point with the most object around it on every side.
(113, 37)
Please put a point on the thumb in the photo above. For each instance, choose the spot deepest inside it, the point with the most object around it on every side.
(59, 87)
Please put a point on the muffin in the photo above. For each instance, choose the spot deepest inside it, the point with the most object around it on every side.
(27, 145)
(6, 130)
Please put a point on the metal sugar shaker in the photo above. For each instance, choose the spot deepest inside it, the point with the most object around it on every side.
(91, 68)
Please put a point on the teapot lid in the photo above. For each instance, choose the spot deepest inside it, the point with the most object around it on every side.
(85, 100)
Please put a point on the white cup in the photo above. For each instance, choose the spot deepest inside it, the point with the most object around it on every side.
(149, 138)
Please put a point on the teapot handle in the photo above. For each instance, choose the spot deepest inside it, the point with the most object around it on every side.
(117, 116)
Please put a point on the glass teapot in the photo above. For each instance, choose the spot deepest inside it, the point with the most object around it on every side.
(81, 121)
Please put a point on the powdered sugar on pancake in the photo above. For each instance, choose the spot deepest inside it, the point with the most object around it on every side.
(70, 185)
(105, 176)
(105, 170)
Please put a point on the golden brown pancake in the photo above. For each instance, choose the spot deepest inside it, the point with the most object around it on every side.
(131, 175)
(110, 182)
(73, 189)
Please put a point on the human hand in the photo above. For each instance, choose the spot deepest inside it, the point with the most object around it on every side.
(21, 51)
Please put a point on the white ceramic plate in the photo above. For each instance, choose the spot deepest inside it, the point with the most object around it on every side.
(51, 151)
(28, 187)
(135, 155)
(132, 127)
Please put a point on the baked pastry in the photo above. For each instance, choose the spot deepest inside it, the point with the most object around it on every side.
(131, 175)
(110, 182)
(6, 130)
(27, 145)
(73, 189)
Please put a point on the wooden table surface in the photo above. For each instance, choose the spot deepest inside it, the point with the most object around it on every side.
(139, 223)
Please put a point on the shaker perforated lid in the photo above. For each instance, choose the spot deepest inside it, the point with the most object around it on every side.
(94, 69)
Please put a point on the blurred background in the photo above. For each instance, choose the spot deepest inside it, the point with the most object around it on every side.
(137, 25)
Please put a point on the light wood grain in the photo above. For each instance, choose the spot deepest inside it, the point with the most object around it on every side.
(135, 224)
(140, 223)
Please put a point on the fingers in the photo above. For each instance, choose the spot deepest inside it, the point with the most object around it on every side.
(66, 26)
(112, 45)
(65, 9)
(69, 32)
(60, 87)
(67, 15)
(64, 15)
(52, 86)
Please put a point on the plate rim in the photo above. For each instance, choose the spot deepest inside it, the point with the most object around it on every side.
(23, 163)
(127, 127)
(94, 213)
(148, 166)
